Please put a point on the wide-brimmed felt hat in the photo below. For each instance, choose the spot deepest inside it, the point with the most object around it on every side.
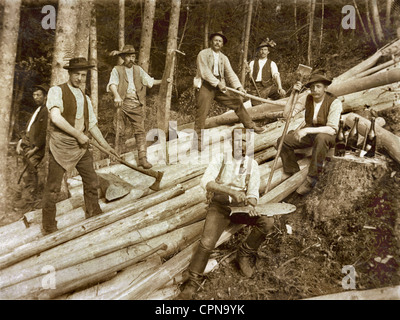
(219, 33)
(318, 77)
(266, 43)
(127, 49)
(78, 63)
(44, 87)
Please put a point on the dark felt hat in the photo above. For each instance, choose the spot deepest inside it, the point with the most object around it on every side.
(78, 63)
(127, 49)
(219, 33)
(318, 77)
(44, 87)
(267, 43)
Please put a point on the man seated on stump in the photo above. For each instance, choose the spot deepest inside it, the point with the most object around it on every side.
(72, 119)
(234, 181)
(322, 116)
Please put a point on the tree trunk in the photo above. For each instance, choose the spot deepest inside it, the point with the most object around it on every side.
(8, 50)
(322, 25)
(370, 26)
(246, 42)
(207, 24)
(310, 31)
(147, 32)
(389, 4)
(121, 27)
(361, 21)
(387, 293)
(164, 96)
(376, 20)
(295, 27)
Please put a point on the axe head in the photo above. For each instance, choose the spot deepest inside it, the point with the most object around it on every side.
(303, 70)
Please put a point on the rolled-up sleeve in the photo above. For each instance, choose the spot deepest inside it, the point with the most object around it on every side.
(334, 114)
(54, 99)
(254, 181)
(146, 79)
(114, 79)
(92, 116)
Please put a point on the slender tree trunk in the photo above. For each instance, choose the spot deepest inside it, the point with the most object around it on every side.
(8, 50)
(321, 35)
(146, 36)
(361, 20)
(164, 96)
(389, 4)
(370, 26)
(295, 27)
(242, 39)
(246, 42)
(207, 24)
(310, 31)
(376, 20)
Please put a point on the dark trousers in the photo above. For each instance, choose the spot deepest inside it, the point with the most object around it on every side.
(217, 220)
(53, 187)
(320, 143)
(270, 91)
(207, 94)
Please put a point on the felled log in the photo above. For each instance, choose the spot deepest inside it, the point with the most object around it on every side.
(343, 186)
(101, 290)
(100, 243)
(84, 274)
(29, 249)
(387, 293)
(113, 187)
(389, 141)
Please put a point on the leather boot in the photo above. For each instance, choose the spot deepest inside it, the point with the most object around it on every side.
(196, 269)
(248, 251)
(142, 151)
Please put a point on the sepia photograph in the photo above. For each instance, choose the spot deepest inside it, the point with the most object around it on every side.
(200, 154)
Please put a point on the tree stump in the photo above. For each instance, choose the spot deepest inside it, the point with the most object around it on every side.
(345, 185)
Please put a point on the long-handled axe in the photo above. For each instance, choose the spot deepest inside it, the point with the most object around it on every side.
(152, 173)
(247, 95)
(303, 71)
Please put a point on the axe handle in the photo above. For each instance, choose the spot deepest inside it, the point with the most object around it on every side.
(151, 173)
(247, 95)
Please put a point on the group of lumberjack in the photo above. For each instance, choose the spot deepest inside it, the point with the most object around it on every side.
(227, 182)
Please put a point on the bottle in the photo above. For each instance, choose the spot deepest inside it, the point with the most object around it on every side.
(352, 139)
(340, 142)
(369, 145)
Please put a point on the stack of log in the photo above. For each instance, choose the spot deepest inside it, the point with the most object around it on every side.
(141, 244)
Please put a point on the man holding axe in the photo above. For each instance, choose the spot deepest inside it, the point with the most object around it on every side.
(229, 182)
(322, 115)
(213, 72)
(72, 119)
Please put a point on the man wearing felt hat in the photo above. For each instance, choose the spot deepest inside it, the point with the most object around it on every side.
(32, 145)
(72, 120)
(322, 116)
(127, 84)
(214, 71)
(264, 73)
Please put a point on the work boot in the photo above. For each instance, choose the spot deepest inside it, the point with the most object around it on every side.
(142, 152)
(245, 260)
(307, 185)
(190, 287)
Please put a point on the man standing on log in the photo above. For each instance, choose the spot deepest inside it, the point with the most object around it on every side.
(229, 182)
(264, 75)
(32, 144)
(72, 119)
(127, 84)
(322, 116)
(213, 70)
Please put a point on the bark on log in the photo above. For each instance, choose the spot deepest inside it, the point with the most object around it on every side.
(101, 290)
(387, 293)
(75, 277)
(386, 139)
(29, 249)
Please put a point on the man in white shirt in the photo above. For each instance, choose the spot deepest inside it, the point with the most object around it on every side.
(265, 74)
(72, 119)
(322, 115)
(234, 181)
(127, 84)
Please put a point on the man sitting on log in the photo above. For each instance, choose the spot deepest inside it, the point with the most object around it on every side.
(213, 70)
(264, 75)
(72, 119)
(127, 84)
(234, 181)
(322, 115)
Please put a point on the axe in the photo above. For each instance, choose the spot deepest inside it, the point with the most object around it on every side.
(155, 174)
(303, 71)
(247, 95)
